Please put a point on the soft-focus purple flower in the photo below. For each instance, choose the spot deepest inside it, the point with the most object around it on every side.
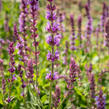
(60, 20)
(56, 55)
(1, 61)
(22, 80)
(56, 96)
(87, 8)
(80, 29)
(51, 7)
(107, 32)
(53, 57)
(89, 27)
(22, 94)
(2, 41)
(3, 84)
(34, 5)
(92, 86)
(100, 100)
(72, 74)
(72, 24)
(51, 16)
(8, 100)
(11, 48)
(103, 17)
(11, 69)
(72, 42)
(53, 29)
(3, 76)
(52, 42)
(73, 36)
(48, 27)
(49, 55)
(30, 69)
(49, 76)
(23, 85)
(57, 40)
(12, 62)
(22, 16)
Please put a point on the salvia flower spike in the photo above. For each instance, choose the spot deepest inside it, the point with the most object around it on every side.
(53, 40)
(11, 50)
(73, 36)
(100, 100)
(34, 7)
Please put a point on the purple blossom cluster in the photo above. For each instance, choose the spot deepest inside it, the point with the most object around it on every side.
(89, 27)
(34, 6)
(54, 28)
(20, 42)
(60, 20)
(54, 39)
(12, 62)
(28, 66)
(3, 77)
(11, 50)
(73, 36)
(104, 16)
(55, 76)
(100, 100)
(72, 74)
(22, 17)
(22, 23)
(92, 86)
(107, 32)
(80, 29)
(54, 42)
(52, 57)
(21, 76)
(31, 70)
(56, 96)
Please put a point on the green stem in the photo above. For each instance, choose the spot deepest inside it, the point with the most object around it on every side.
(50, 98)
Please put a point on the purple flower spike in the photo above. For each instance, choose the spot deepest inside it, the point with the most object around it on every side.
(34, 5)
(53, 40)
(100, 100)
(56, 96)
(72, 74)
(107, 32)
(73, 36)
(30, 69)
